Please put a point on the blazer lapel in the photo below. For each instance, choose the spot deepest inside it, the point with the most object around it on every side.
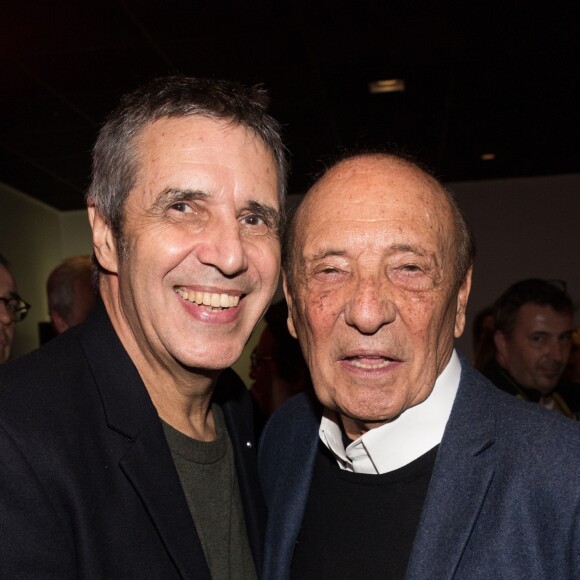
(231, 394)
(150, 468)
(461, 478)
(144, 456)
(287, 465)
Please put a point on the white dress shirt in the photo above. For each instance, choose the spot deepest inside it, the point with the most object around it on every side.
(401, 441)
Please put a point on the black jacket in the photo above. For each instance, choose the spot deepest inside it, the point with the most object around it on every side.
(88, 488)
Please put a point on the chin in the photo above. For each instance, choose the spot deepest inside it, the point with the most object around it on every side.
(369, 415)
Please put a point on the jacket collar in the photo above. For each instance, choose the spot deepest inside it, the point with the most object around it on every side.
(461, 478)
(147, 461)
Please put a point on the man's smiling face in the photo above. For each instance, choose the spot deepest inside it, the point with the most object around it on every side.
(373, 298)
(199, 257)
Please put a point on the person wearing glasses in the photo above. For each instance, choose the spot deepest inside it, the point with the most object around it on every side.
(12, 309)
(534, 322)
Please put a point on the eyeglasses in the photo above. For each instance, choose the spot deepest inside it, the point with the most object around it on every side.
(16, 307)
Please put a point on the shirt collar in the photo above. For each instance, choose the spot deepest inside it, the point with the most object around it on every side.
(399, 442)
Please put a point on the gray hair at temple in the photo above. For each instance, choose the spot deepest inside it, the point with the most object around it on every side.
(115, 158)
(464, 242)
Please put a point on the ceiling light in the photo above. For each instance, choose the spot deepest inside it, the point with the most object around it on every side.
(487, 156)
(387, 86)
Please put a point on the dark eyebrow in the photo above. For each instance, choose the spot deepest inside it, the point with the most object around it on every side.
(173, 195)
(269, 213)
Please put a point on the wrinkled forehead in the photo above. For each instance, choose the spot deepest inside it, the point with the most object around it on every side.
(370, 192)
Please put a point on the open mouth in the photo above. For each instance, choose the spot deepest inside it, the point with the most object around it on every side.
(212, 300)
(369, 362)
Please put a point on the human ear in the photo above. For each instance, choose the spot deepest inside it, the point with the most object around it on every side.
(103, 241)
(288, 295)
(501, 345)
(462, 297)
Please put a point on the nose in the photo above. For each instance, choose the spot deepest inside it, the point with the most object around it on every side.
(370, 306)
(223, 247)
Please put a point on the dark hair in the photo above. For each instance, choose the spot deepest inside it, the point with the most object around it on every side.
(464, 240)
(535, 291)
(60, 284)
(4, 262)
(114, 155)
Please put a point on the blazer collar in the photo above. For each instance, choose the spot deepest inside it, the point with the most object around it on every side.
(461, 478)
(144, 457)
(147, 462)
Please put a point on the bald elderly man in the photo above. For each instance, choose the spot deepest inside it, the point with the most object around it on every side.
(408, 463)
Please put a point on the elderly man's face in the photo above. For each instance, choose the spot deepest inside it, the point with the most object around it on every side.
(536, 352)
(201, 254)
(373, 301)
(7, 290)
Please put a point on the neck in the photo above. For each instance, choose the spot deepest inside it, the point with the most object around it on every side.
(181, 395)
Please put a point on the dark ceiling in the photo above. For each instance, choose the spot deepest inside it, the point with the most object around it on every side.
(481, 77)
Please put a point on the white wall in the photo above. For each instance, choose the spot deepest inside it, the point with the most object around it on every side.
(524, 228)
(35, 238)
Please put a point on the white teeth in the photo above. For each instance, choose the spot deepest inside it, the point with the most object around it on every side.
(379, 365)
(209, 299)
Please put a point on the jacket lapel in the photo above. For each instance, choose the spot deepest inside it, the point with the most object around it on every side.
(287, 465)
(231, 394)
(150, 469)
(461, 478)
(144, 455)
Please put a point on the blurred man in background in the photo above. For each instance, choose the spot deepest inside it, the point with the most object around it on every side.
(70, 292)
(533, 340)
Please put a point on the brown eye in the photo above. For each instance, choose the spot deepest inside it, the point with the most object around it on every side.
(253, 220)
(180, 207)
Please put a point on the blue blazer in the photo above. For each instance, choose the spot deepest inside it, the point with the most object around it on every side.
(503, 501)
(88, 487)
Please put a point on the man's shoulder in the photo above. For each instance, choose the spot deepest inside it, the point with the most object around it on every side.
(53, 388)
(45, 365)
(293, 427)
(515, 423)
(297, 412)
